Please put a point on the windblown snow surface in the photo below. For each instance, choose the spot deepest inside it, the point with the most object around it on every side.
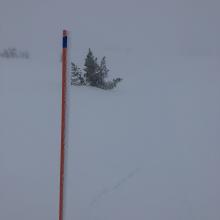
(147, 150)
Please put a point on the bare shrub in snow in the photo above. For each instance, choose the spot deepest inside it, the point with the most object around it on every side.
(12, 52)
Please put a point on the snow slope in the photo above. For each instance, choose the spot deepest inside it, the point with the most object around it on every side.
(29, 141)
(146, 150)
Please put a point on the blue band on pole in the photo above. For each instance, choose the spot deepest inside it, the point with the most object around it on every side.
(65, 42)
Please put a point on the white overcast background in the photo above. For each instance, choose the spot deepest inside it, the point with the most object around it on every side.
(148, 150)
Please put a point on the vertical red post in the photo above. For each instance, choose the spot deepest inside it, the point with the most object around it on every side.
(63, 123)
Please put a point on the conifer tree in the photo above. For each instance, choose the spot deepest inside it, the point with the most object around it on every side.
(103, 70)
(76, 75)
(91, 69)
(94, 74)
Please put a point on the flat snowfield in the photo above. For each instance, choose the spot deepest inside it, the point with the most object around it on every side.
(147, 150)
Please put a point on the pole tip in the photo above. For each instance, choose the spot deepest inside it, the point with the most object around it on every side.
(65, 32)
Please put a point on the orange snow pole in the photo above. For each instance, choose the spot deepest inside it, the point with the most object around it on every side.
(63, 123)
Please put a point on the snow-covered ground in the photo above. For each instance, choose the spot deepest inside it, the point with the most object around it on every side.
(148, 150)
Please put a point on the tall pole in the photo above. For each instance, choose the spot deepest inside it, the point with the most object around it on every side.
(63, 123)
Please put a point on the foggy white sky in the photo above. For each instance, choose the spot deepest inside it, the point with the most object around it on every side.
(164, 118)
(171, 27)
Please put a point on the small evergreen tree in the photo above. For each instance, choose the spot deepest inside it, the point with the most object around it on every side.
(102, 71)
(107, 85)
(91, 69)
(94, 74)
(76, 75)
